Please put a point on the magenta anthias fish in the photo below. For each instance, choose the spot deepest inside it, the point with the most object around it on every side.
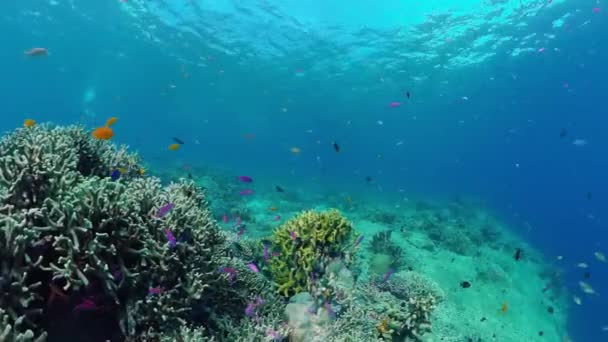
(246, 192)
(164, 210)
(245, 179)
(253, 267)
(170, 238)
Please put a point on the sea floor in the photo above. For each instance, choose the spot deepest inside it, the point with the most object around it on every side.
(460, 245)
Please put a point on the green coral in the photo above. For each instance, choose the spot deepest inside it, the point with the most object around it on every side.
(319, 237)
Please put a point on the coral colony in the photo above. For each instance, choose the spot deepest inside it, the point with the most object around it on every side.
(95, 258)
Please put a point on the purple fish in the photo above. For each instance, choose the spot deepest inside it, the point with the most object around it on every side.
(388, 274)
(164, 210)
(253, 267)
(246, 192)
(231, 273)
(155, 290)
(241, 231)
(359, 239)
(293, 235)
(266, 251)
(245, 179)
(170, 238)
(330, 311)
(276, 254)
(86, 304)
(251, 308)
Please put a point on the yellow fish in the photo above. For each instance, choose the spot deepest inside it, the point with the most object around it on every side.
(505, 307)
(273, 208)
(174, 147)
(122, 170)
(295, 150)
(111, 121)
(142, 171)
(29, 123)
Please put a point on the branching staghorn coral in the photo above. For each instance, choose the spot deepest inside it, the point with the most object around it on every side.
(72, 235)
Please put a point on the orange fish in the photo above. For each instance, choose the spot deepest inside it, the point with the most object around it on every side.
(295, 150)
(103, 133)
(273, 208)
(505, 307)
(111, 121)
(174, 147)
(29, 123)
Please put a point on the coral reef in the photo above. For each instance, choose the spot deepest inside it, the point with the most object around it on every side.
(381, 244)
(306, 244)
(78, 245)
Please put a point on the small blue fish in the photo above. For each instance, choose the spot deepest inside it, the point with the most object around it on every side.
(115, 175)
(388, 275)
(359, 239)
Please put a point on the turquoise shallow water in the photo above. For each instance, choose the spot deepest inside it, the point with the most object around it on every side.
(503, 124)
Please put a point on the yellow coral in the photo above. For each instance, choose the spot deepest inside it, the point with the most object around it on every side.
(319, 236)
(383, 326)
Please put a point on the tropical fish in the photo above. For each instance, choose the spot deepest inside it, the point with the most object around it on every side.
(505, 307)
(277, 218)
(115, 175)
(174, 147)
(517, 255)
(600, 256)
(141, 171)
(266, 249)
(253, 267)
(37, 52)
(155, 290)
(246, 192)
(245, 179)
(394, 104)
(577, 300)
(336, 146)
(359, 239)
(579, 142)
(177, 140)
(279, 189)
(231, 273)
(330, 311)
(407, 94)
(241, 231)
(170, 238)
(162, 211)
(251, 307)
(293, 235)
(586, 287)
(86, 304)
(103, 133)
(388, 275)
(273, 208)
(29, 123)
(582, 265)
(111, 121)
(225, 218)
(295, 150)
(465, 284)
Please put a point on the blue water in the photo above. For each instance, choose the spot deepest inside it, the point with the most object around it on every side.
(492, 84)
